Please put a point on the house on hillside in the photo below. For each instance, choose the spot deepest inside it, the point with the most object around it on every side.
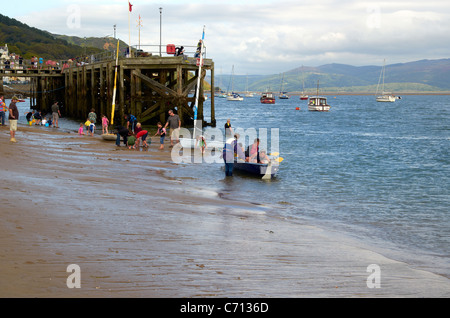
(4, 52)
(11, 61)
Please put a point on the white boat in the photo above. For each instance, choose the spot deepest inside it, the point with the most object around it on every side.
(235, 97)
(283, 95)
(384, 96)
(195, 144)
(318, 103)
(248, 94)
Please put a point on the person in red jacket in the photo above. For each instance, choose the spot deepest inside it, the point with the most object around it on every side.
(142, 135)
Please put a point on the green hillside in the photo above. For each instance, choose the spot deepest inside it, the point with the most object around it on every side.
(28, 42)
(103, 44)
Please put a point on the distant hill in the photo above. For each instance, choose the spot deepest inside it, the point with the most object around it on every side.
(28, 42)
(418, 76)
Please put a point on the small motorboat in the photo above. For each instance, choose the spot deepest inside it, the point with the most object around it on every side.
(263, 170)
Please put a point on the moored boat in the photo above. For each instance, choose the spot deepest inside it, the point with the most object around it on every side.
(384, 96)
(267, 98)
(318, 103)
(283, 95)
(235, 97)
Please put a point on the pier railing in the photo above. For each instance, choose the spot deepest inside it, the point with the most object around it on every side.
(15, 65)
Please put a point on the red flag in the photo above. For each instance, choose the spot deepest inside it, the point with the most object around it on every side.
(130, 5)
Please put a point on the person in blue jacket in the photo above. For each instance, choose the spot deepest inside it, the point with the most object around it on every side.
(131, 122)
(230, 151)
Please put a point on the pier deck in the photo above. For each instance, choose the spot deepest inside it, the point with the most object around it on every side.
(147, 87)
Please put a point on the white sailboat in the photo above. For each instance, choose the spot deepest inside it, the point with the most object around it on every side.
(283, 95)
(384, 96)
(234, 96)
(248, 94)
(303, 96)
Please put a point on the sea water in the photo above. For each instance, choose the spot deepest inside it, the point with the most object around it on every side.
(378, 172)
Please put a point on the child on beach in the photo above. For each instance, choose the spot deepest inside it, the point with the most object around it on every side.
(80, 130)
(29, 116)
(105, 123)
(131, 142)
(201, 143)
(87, 124)
(92, 129)
(162, 133)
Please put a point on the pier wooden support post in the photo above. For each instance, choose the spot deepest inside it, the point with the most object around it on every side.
(93, 92)
(213, 91)
(121, 85)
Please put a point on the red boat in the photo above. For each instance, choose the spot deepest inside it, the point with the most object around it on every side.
(267, 98)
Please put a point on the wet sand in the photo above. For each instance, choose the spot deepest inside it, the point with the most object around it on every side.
(135, 230)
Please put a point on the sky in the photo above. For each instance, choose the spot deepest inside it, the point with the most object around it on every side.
(260, 37)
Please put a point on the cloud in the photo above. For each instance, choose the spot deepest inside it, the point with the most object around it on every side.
(272, 36)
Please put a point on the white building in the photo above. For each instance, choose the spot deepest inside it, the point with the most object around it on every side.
(4, 52)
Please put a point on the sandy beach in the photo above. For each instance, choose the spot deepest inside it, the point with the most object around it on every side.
(135, 229)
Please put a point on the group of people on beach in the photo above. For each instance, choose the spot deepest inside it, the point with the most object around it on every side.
(35, 117)
(133, 134)
(90, 124)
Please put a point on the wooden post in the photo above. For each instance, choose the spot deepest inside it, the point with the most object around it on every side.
(213, 106)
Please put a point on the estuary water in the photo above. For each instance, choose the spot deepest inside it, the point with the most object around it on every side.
(377, 172)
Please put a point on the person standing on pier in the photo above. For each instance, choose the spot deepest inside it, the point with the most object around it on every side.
(13, 118)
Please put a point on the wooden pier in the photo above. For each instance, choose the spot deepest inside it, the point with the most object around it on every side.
(147, 87)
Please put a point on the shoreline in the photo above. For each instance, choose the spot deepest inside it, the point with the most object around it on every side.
(136, 230)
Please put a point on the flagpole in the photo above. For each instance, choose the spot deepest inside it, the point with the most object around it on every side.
(130, 6)
(129, 33)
